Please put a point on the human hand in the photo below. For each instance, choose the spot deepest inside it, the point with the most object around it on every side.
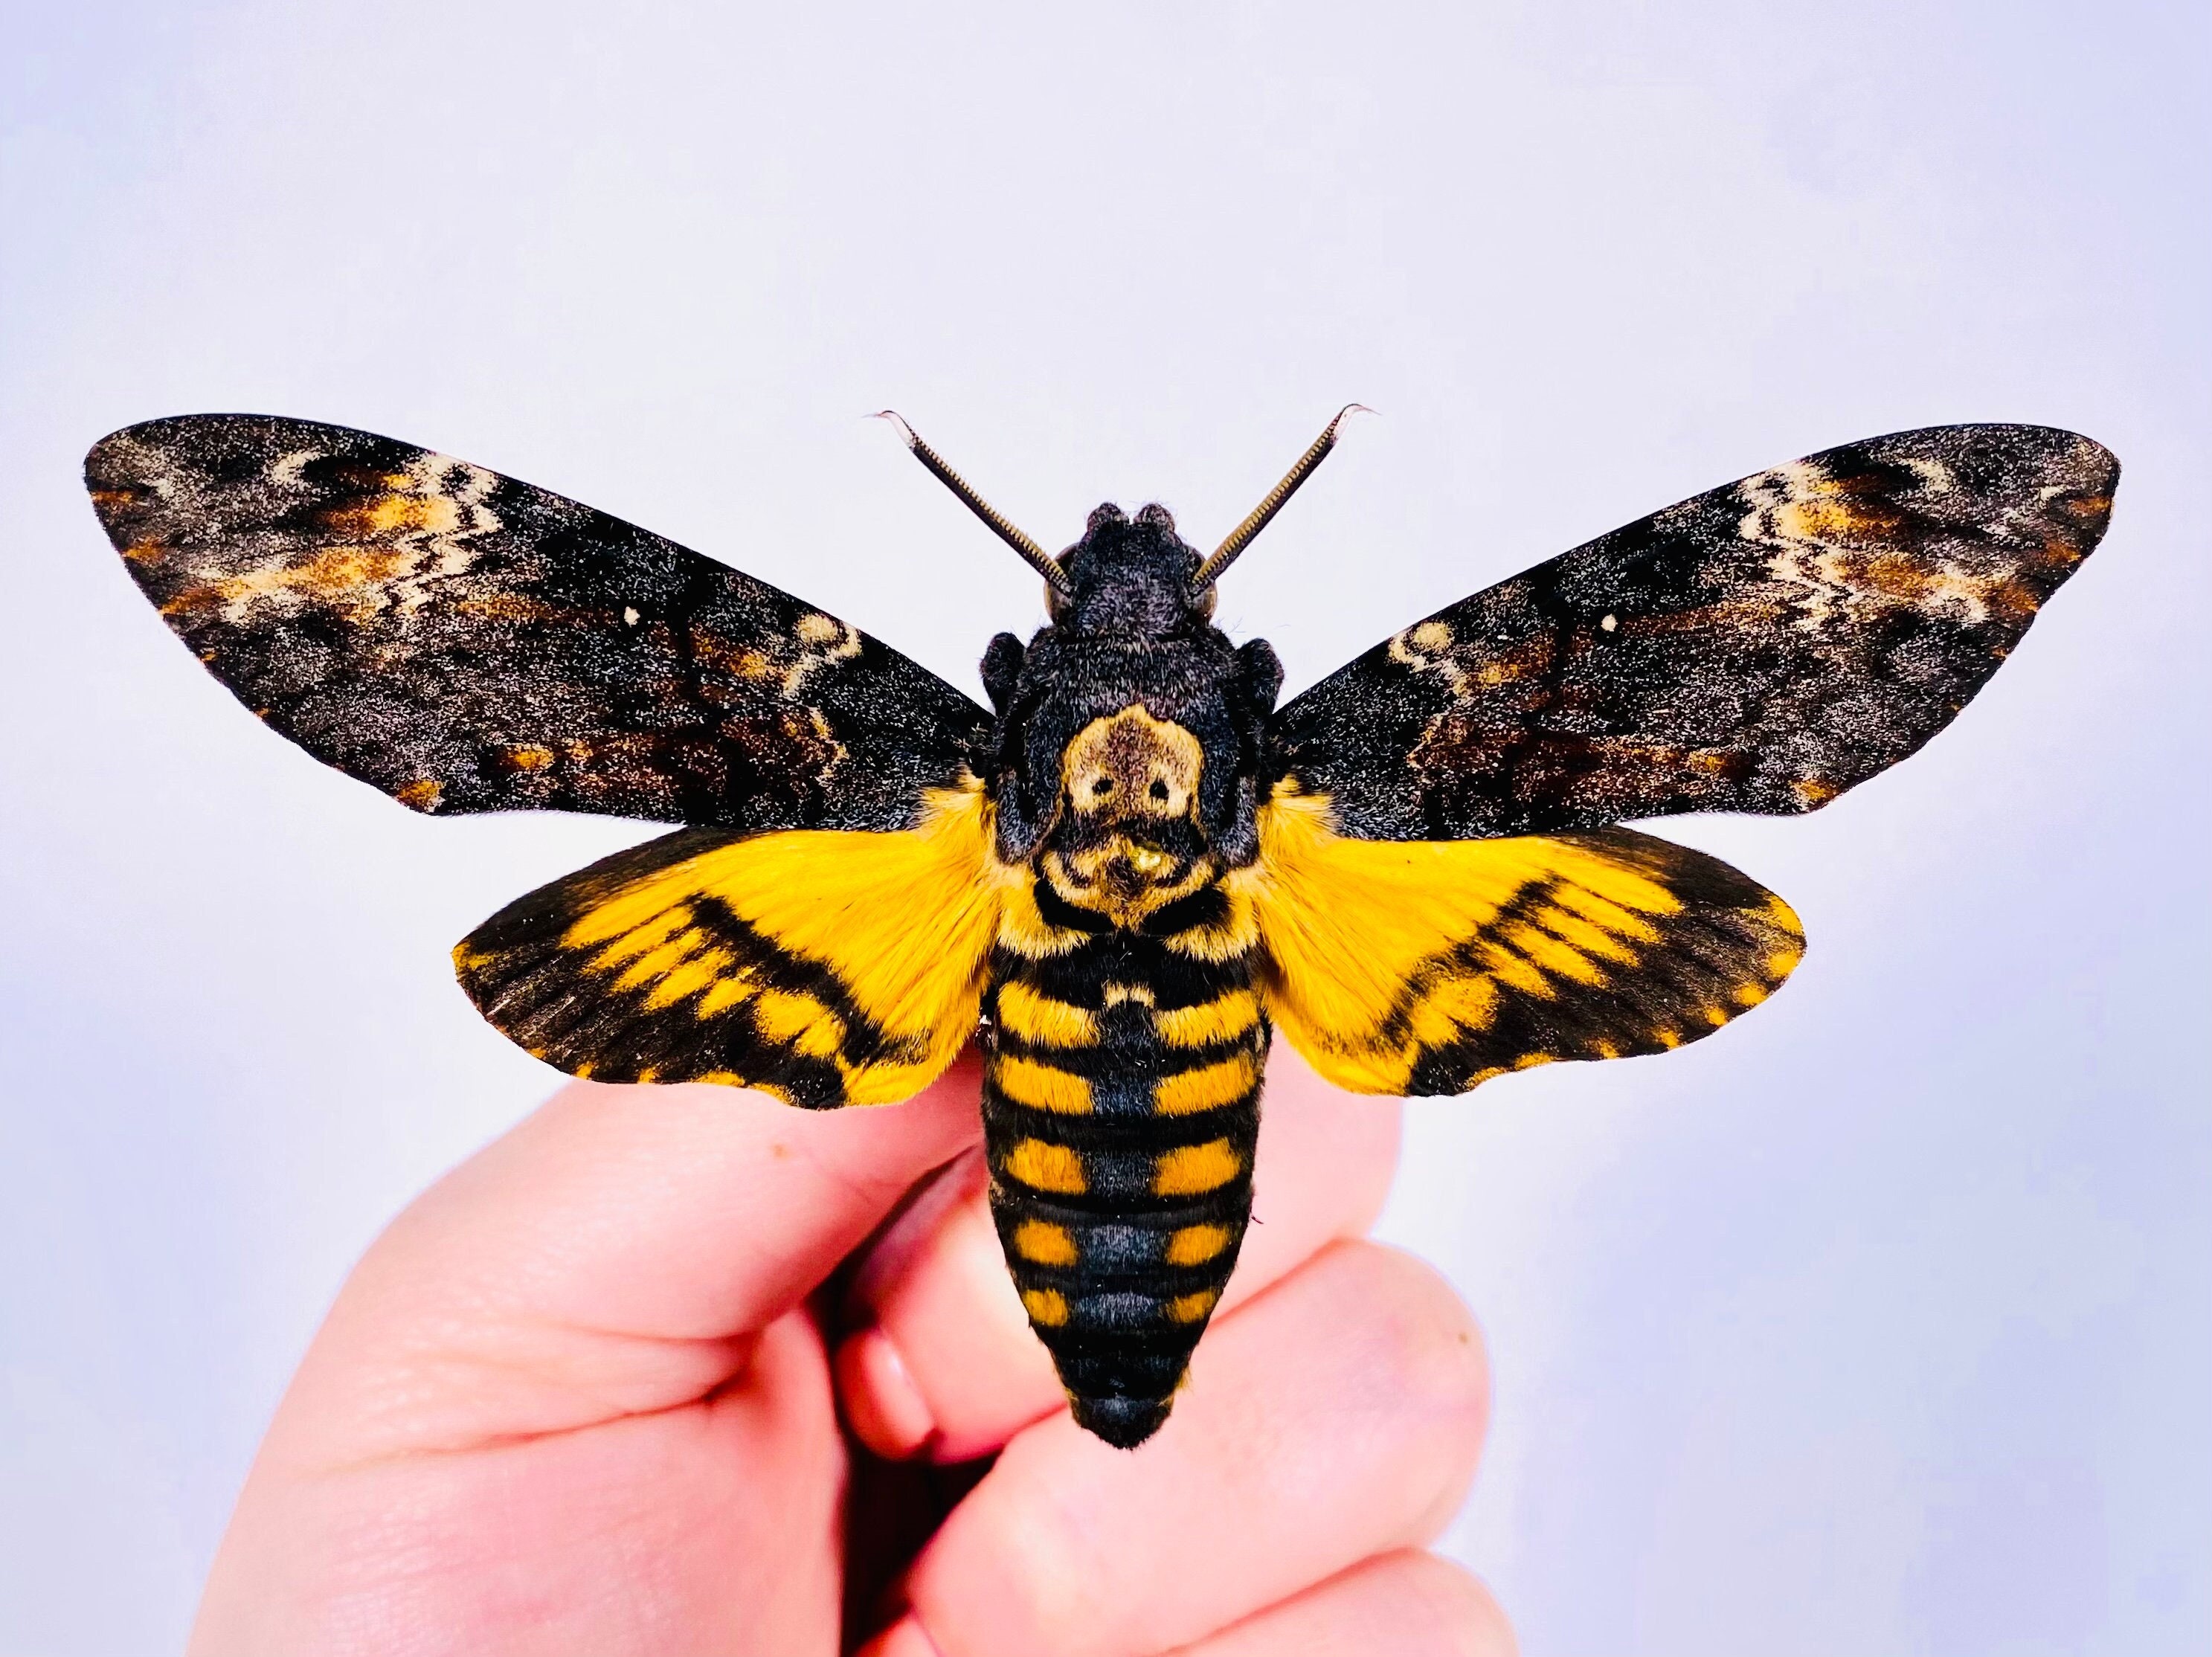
(599, 1393)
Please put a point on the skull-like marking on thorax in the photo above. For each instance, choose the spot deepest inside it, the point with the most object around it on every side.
(1129, 765)
(1129, 840)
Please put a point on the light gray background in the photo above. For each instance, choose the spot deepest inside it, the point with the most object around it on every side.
(1878, 1324)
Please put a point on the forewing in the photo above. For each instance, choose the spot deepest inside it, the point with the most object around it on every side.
(465, 642)
(1429, 967)
(1761, 648)
(827, 967)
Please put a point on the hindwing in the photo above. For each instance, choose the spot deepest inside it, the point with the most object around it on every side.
(825, 967)
(1429, 967)
(465, 642)
(1761, 648)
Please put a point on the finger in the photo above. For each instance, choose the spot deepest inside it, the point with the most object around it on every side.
(1408, 1605)
(948, 1360)
(1336, 1417)
(616, 1253)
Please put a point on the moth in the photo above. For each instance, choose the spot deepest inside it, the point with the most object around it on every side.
(1133, 866)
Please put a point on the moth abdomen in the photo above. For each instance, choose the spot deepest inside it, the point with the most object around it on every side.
(1120, 1134)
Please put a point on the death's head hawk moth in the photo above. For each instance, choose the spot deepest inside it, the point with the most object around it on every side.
(1133, 866)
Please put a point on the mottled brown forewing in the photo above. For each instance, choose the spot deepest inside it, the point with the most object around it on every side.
(465, 642)
(1761, 648)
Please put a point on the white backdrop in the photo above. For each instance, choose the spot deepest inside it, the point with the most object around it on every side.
(1881, 1323)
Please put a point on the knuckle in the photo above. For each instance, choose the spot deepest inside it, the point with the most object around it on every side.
(1462, 1618)
(1422, 1376)
(1020, 1583)
(1426, 1340)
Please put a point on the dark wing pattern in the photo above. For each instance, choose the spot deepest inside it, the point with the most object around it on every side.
(1761, 648)
(465, 642)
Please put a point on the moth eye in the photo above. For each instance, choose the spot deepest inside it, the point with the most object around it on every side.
(1102, 786)
(1159, 789)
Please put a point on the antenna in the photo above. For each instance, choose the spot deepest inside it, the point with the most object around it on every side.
(1241, 535)
(1033, 555)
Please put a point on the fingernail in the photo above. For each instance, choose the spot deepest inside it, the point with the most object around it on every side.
(904, 1638)
(882, 1406)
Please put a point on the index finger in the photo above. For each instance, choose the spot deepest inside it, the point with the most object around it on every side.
(614, 1253)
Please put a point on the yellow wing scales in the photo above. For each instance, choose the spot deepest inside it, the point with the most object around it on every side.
(825, 967)
(1430, 967)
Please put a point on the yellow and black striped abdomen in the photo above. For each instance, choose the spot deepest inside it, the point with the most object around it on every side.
(1120, 1108)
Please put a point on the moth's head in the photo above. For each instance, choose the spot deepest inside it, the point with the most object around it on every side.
(1130, 575)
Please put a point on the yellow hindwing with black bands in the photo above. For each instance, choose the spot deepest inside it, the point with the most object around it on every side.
(825, 967)
(1430, 967)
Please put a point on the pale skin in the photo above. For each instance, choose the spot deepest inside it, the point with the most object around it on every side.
(606, 1387)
